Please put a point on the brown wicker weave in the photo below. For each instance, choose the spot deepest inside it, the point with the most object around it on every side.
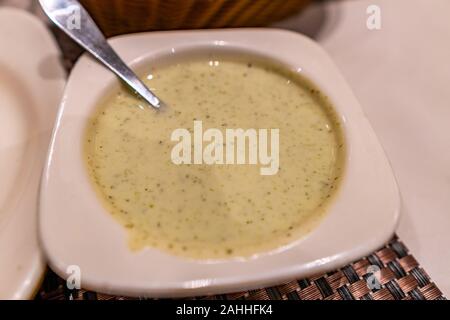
(125, 16)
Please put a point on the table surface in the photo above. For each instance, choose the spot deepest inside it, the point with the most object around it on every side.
(399, 74)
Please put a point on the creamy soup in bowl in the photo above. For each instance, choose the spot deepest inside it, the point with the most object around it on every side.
(171, 203)
(245, 157)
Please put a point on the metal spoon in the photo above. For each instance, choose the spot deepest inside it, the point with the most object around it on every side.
(73, 19)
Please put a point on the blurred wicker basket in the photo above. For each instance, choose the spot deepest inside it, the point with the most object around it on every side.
(126, 16)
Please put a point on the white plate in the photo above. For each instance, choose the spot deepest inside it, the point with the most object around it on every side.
(31, 86)
(361, 219)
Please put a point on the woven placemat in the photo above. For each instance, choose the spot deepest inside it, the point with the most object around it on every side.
(390, 273)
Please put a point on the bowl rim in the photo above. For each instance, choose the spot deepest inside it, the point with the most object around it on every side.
(355, 216)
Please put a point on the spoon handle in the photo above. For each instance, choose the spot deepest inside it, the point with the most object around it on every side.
(75, 21)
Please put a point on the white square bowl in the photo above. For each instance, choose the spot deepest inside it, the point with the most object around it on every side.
(76, 229)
